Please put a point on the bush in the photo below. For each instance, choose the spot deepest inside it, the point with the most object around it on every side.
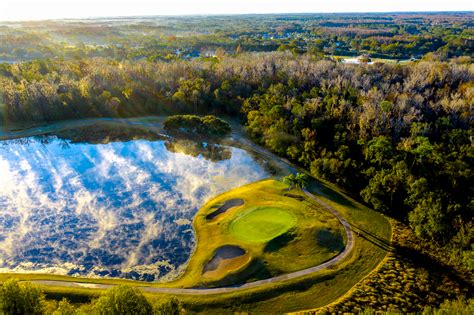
(20, 298)
(189, 123)
(171, 306)
(215, 126)
(65, 308)
(123, 300)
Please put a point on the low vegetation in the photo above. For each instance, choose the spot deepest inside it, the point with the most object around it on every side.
(21, 298)
(132, 301)
(411, 279)
(123, 300)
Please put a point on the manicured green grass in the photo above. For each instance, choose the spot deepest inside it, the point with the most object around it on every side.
(262, 224)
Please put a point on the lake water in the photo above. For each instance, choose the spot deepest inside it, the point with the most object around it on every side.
(118, 209)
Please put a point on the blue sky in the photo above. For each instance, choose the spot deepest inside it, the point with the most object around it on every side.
(51, 9)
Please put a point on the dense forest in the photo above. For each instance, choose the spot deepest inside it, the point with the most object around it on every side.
(393, 130)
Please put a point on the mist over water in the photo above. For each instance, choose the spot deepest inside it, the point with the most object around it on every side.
(121, 209)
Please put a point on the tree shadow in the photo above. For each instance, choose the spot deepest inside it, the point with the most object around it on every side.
(372, 238)
(330, 240)
(438, 271)
(279, 242)
(329, 192)
(245, 302)
(294, 196)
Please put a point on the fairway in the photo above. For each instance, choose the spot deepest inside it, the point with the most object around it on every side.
(262, 224)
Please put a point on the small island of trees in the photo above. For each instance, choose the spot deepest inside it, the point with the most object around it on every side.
(202, 126)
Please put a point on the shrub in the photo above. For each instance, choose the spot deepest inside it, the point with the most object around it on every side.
(171, 306)
(20, 298)
(189, 123)
(296, 181)
(65, 308)
(123, 300)
(216, 126)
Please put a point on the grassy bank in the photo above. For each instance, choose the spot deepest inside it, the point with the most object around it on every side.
(280, 231)
(316, 290)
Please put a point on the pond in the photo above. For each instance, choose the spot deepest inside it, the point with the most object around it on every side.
(95, 203)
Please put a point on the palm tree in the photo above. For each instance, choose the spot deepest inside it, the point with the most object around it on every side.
(299, 181)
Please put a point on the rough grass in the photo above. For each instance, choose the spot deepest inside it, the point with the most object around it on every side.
(408, 280)
(262, 224)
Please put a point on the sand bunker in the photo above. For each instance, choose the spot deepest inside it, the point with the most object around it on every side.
(226, 206)
(226, 258)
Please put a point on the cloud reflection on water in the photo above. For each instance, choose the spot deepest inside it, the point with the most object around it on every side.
(119, 209)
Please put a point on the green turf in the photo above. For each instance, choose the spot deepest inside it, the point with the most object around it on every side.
(262, 224)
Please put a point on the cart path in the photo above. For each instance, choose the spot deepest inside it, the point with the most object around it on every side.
(157, 127)
(204, 291)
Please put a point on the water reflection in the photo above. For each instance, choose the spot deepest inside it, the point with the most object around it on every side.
(209, 151)
(86, 204)
(95, 134)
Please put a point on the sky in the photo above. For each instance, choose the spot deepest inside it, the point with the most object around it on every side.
(56, 9)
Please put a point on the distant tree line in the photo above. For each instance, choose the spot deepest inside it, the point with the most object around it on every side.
(395, 36)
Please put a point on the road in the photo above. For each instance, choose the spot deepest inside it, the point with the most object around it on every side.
(255, 284)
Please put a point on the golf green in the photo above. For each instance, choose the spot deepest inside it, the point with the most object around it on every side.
(262, 224)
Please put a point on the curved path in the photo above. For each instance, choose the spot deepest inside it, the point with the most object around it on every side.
(348, 248)
(155, 125)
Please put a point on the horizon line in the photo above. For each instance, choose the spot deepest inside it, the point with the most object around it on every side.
(230, 14)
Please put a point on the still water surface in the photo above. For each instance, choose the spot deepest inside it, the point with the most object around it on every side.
(119, 209)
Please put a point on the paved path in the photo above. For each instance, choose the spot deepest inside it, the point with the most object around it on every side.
(156, 126)
(255, 284)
